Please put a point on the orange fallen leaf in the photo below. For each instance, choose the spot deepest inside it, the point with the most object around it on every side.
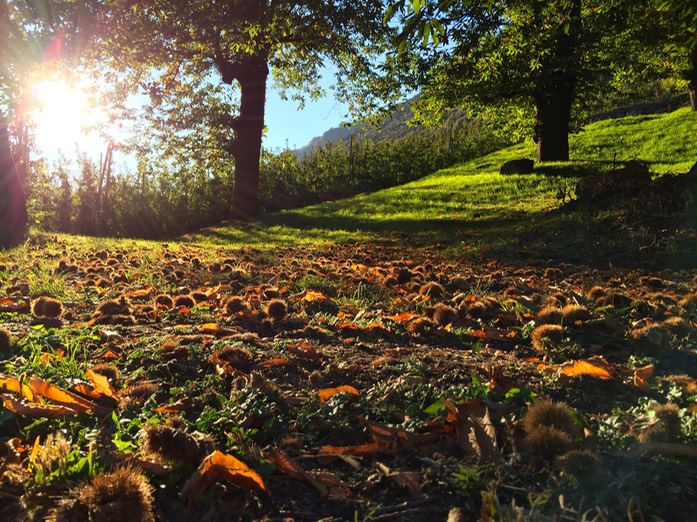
(276, 361)
(326, 393)
(215, 329)
(101, 384)
(220, 465)
(312, 296)
(357, 451)
(60, 395)
(9, 383)
(595, 366)
(35, 409)
(642, 376)
(494, 335)
(11, 305)
(403, 317)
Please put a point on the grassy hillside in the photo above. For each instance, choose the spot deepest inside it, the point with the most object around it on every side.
(473, 208)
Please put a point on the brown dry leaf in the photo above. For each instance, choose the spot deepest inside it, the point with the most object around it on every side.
(475, 431)
(9, 383)
(408, 480)
(642, 376)
(276, 361)
(61, 396)
(220, 465)
(594, 366)
(312, 296)
(175, 407)
(101, 384)
(306, 351)
(87, 390)
(326, 393)
(493, 334)
(35, 409)
(366, 449)
(289, 467)
(11, 305)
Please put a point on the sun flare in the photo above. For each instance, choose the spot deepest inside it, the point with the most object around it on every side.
(65, 116)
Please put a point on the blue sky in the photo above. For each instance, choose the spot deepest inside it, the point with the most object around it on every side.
(286, 124)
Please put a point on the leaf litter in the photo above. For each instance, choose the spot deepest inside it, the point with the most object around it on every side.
(374, 379)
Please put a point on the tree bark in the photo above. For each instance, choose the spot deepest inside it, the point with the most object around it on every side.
(251, 74)
(13, 201)
(556, 88)
(552, 126)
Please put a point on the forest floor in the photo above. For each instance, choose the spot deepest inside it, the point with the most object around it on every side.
(357, 382)
(465, 347)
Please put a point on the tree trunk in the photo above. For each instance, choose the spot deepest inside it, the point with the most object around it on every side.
(691, 76)
(552, 126)
(250, 73)
(556, 88)
(13, 201)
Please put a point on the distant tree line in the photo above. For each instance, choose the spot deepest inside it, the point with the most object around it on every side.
(155, 201)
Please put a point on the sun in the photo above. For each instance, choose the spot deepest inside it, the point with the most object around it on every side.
(65, 116)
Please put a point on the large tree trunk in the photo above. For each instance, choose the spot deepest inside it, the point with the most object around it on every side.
(13, 201)
(556, 88)
(552, 125)
(692, 77)
(250, 73)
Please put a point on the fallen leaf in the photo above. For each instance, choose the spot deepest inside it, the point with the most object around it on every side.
(312, 296)
(408, 480)
(61, 396)
(35, 409)
(9, 383)
(220, 465)
(595, 366)
(642, 376)
(326, 393)
(101, 384)
(475, 431)
(403, 317)
(289, 467)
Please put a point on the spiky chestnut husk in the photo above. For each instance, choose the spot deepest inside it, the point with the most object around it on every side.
(432, 290)
(584, 465)
(549, 315)
(551, 414)
(545, 444)
(277, 309)
(665, 425)
(45, 306)
(172, 444)
(184, 300)
(444, 314)
(235, 304)
(123, 494)
(545, 334)
(5, 340)
(573, 312)
(164, 300)
(651, 340)
(239, 358)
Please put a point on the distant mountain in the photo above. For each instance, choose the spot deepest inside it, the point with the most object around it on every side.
(395, 126)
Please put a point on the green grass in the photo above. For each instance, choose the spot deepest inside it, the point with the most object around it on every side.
(470, 208)
(473, 208)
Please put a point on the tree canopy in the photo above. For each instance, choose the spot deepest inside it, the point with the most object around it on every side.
(195, 47)
(532, 64)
